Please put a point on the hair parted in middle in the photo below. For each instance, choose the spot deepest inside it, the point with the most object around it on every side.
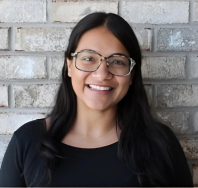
(141, 136)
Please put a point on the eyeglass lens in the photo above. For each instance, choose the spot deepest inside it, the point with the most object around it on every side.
(88, 61)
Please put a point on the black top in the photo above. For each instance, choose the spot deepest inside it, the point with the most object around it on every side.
(79, 167)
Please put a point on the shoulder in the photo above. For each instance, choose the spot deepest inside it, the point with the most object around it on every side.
(23, 143)
(164, 139)
(165, 132)
(30, 130)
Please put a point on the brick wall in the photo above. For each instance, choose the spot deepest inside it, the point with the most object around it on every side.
(34, 35)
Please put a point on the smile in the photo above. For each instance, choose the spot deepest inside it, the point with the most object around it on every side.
(100, 88)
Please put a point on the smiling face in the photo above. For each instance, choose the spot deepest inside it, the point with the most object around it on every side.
(102, 41)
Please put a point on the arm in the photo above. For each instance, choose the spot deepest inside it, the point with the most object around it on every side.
(12, 166)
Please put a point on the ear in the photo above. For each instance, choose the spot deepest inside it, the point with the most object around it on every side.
(69, 66)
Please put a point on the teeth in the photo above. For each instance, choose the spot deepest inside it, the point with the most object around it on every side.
(99, 88)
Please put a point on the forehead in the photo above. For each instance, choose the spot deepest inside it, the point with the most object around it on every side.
(101, 40)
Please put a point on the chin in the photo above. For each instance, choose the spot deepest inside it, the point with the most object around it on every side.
(98, 107)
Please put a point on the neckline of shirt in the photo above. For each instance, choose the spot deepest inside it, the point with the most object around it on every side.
(78, 150)
(84, 149)
(71, 151)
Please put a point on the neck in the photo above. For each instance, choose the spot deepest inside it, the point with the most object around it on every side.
(94, 124)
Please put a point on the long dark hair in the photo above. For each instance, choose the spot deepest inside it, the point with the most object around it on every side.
(141, 136)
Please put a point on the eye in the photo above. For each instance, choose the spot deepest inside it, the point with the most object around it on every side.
(118, 62)
(88, 58)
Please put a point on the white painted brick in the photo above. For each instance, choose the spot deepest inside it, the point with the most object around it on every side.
(196, 11)
(22, 67)
(10, 122)
(22, 11)
(37, 96)
(177, 121)
(177, 39)
(177, 95)
(163, 67)
(4, 141)
(155, 12)
(144, 37)
(193, 67)
(190, 147)
(149, 92)
(73, 11)
(56, 67)
(3, 96)
(42, 39)
(196, 122)
(195, 175)
(4, 38)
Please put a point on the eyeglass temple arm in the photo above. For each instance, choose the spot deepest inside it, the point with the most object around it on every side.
(132, 63)
(74, 54)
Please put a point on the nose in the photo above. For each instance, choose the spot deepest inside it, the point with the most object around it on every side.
(102, 73)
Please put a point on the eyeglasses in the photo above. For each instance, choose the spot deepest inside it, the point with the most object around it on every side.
(117, 64)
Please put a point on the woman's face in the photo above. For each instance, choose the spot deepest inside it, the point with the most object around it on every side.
(105, 43)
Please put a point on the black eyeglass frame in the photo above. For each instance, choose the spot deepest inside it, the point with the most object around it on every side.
(132, 62)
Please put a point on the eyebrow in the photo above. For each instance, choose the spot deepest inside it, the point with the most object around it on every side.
(100, 54)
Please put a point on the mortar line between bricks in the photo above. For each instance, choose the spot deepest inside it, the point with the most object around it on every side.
(61, 54)
(11, 96)
(187, 136)
(169, 53)
(72, 24)
(39, 25)
(155, 31)
(152, 98)
(29, 82)
(48, 67)
(165, 26)
(155, 96)
(8, 94)
(25, 110)
(187, 67)
(49, 11)
(156, 109)
(178, 26)
(52, 81)
(171, 82)
(190, 121)
(154, 0)
(44, 110)
(177, 109)
(12, 39)
(39, 54)
(119, 6)
(191, 11)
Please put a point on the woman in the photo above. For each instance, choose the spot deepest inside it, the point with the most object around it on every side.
(100, 131)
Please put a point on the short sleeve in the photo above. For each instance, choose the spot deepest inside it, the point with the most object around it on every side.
(11, 172)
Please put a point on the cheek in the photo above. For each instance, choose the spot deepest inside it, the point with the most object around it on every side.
(124, 85)
(125, 90)
(78, 81)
